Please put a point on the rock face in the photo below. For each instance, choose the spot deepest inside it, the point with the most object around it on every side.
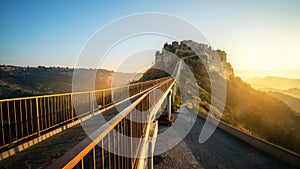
(213, 60)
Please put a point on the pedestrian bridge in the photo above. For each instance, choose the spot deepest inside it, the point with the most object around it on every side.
(119, 143)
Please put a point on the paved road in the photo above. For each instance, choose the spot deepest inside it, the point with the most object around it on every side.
(221, 151)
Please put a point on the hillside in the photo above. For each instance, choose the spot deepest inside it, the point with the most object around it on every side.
(291, 101)
(250, 110)
(31, 81)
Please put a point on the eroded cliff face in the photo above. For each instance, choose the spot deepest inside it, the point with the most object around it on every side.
(211, 60)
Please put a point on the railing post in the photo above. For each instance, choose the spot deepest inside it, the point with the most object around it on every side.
(72, 107)
(149, 118)
(91, 103)
(37, 116)
(103, 96)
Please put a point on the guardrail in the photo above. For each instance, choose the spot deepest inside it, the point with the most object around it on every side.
(116, 151)
(23, 118)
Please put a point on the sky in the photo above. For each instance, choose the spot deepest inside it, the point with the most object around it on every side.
(256, 35)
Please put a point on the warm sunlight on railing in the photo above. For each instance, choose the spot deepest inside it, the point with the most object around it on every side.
(117, 151)
(22, 118)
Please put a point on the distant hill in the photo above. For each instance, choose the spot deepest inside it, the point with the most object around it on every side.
(294, 92)
(292, 102)
(282, 85)
(271, 82)
(250, 110)
(31, 81)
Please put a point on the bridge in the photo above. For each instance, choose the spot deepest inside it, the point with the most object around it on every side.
(99, 129)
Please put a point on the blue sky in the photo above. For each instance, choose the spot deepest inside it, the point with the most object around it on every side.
(255, 34)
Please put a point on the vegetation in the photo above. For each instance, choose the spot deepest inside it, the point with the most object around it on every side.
(291, 101)
(153, 73)
(176, 103)
(31, 81)
(261, 115)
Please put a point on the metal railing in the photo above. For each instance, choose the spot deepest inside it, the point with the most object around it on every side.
(26, 117)
(106, 148)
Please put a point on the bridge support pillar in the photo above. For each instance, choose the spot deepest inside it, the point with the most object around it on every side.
(169, 104)
(174, 92)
